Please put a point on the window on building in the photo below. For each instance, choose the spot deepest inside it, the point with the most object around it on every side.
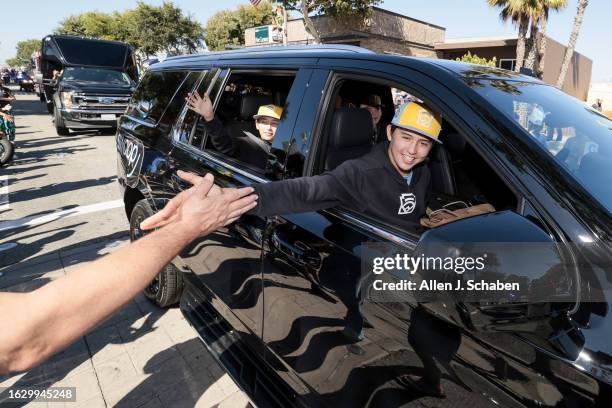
(508, 64)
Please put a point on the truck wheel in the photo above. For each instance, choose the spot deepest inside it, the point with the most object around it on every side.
(166, 288)
(60, 128)
(6, 151)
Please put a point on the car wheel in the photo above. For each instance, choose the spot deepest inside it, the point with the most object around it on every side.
(6, 151)
(166, 288)
(60, 128)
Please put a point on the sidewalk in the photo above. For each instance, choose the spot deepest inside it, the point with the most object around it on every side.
(141, 357)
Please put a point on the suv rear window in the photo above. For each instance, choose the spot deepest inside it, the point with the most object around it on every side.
(153, 95)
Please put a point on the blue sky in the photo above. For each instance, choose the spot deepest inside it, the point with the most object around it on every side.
(466, 18)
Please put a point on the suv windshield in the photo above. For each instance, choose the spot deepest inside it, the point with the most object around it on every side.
(96, 75)
(577, 136)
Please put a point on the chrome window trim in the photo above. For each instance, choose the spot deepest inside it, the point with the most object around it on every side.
(209, 156)
(141, 122)
(372, 228)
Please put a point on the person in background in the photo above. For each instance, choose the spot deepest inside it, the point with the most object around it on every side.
(245, 147)
(372, 103)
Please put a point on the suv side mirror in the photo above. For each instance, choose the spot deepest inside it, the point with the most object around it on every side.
(516, 250)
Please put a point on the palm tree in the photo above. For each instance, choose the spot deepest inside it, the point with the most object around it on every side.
(539, 21)
(555, 5)
(582, 4)
(518, 12)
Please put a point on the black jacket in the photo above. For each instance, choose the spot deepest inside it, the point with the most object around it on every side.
(369, 184)
(240, 144)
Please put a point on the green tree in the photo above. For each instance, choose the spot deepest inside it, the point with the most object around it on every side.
(516, 11)
(24, 52)
(529, 16)
(165, 28)
(148, 28)
(227, 27)
(538, 41)
(93, 24)
(475, 59)
(344, 11)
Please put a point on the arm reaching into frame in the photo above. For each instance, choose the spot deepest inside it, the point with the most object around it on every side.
(44, 321)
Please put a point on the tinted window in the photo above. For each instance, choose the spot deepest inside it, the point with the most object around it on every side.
(96, 75)
(175, 107)
(239, 135)
(88, 52)
(578, 137)
(153, 94)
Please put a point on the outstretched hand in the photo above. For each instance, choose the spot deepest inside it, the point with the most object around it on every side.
(204, 206)
(201, 105)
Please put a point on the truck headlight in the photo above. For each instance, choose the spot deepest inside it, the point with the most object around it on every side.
(66, 98)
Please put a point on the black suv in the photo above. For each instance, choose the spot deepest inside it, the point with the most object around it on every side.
(281, 301)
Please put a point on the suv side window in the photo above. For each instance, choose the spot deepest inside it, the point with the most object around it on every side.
(458, 171)
(153, 94)
(192, 129)
(237, 134)
(173, 110)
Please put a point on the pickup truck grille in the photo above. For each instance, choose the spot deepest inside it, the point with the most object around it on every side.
(100, 102)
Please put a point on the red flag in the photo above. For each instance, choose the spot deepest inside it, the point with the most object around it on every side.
(255, 2)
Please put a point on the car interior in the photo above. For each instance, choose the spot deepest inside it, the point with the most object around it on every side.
(458, 171)
(243, 95)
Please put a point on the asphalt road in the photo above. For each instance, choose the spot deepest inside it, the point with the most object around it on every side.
(59, 191)
(60, 208)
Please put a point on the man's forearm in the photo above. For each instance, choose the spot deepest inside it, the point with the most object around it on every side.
(46, 320)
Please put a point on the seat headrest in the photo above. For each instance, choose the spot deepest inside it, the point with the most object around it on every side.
(454, 143)
(351, 127)
(250, 103)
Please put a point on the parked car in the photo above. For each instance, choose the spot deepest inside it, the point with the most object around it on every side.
(26, 83)
(281, 302)
(87, 82)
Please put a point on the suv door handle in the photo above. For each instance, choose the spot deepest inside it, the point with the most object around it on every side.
(297, 251)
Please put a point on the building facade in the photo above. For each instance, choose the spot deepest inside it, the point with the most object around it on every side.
(389, 32)
(384, 32)
(578, 77)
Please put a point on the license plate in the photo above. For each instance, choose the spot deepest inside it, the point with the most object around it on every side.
(108, 116)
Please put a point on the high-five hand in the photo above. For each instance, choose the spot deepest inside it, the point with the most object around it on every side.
(203, 206)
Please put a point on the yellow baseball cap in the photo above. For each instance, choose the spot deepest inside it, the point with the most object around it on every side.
(271, 111)
(418, 118)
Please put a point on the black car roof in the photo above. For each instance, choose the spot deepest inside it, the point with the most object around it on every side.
(333, 51)
(80, 37)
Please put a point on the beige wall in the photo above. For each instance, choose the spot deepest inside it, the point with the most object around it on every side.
(578, 76)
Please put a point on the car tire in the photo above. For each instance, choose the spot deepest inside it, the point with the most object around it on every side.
(6, 151)
(60, 128)
(165, 290)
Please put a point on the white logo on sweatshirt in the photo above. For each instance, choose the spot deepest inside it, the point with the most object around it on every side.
(407, 204)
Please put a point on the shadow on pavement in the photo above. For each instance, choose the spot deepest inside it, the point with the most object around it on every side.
(179, 382)
(58, 188)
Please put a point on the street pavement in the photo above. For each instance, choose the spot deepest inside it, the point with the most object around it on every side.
(60, 208)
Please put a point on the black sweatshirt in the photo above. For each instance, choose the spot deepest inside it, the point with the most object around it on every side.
(369, 184)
